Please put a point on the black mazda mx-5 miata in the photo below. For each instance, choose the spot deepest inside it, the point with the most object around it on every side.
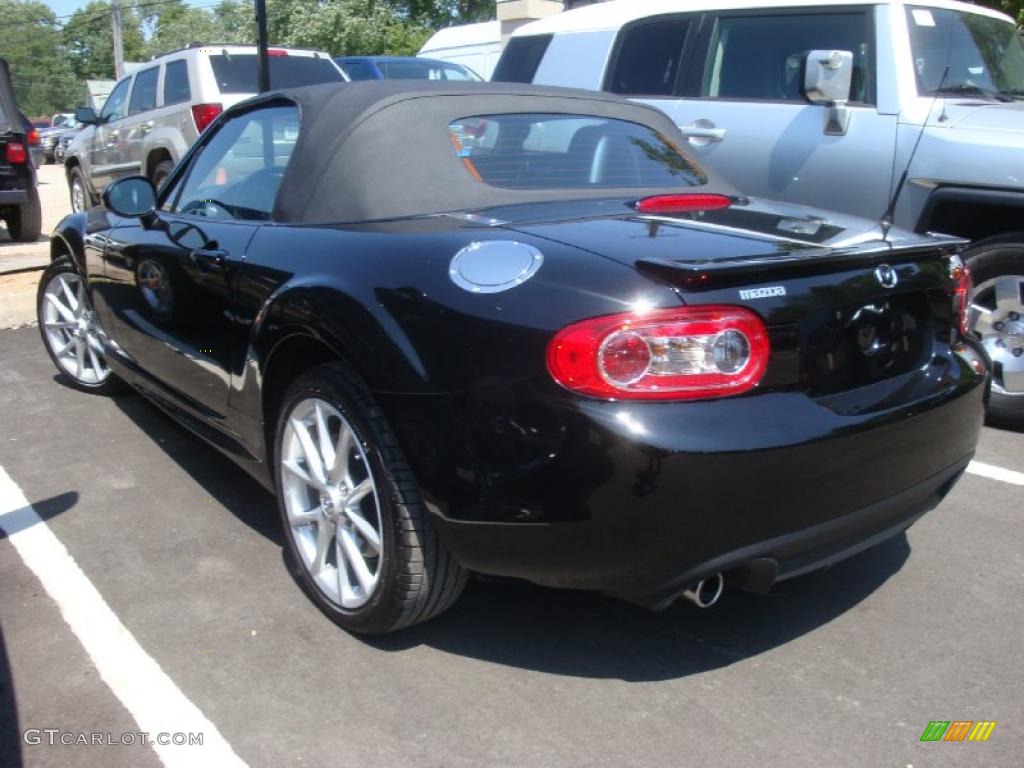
(518, 331)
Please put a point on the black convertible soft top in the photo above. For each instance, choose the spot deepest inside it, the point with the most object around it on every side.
(381, 149)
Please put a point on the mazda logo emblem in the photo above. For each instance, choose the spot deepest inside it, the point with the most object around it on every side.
(886, 276)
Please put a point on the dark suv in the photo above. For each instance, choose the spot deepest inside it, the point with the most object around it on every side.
(19, 198)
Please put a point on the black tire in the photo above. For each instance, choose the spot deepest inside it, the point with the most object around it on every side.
(112, 385)
(25, 222)
(75, 176)
(988, 259)
(419, 578)
(161, 172)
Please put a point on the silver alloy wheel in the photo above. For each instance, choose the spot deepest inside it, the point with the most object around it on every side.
(77, 195)
(332, 503)
(70, 330)
(997, 316)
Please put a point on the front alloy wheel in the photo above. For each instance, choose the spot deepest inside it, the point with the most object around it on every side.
(69, 330)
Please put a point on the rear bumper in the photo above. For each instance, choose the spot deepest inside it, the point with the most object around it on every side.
(758, 566)
(642, 500)
(12, 196)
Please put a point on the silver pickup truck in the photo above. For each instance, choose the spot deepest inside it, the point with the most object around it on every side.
(906, 113)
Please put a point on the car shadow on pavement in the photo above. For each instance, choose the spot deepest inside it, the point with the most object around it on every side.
(587, 635)
(565, 632)
(230, 485)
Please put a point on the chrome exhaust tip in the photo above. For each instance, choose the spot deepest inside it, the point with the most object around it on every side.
(706, 592)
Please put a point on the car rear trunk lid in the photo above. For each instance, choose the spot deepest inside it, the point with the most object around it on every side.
(845, 308)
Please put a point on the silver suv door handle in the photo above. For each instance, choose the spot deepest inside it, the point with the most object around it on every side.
(703, 129)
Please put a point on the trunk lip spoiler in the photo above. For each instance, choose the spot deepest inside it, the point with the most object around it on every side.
(877, 251)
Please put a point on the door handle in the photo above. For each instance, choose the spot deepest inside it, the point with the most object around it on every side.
(146, 127)
(210, 259)
(702, 132)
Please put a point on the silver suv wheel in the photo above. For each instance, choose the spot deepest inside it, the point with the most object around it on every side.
(997, 316)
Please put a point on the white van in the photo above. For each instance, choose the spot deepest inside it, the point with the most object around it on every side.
(476, 46)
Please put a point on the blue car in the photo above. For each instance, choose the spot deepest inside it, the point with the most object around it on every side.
(403, 68)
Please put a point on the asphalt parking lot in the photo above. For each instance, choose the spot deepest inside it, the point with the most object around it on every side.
(845, 667)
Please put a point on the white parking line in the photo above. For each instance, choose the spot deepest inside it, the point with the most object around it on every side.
(996, 473)
(149, 695)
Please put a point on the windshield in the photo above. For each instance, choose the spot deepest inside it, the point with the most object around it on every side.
(237, 72)
(985, 55)
(523, 151)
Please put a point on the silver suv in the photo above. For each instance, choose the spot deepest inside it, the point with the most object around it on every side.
(841, 104)
(155, 113)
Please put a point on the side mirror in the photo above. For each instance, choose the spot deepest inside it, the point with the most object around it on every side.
(828, 78)
(87, 116)
(132, 197)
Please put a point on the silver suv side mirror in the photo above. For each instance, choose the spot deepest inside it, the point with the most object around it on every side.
(828, 78)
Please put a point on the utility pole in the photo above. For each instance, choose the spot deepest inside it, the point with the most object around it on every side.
(262, 60)
(115, 18)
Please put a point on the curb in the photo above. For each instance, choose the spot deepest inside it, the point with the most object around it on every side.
(20, 270)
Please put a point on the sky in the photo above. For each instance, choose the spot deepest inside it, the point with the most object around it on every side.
(67, 7)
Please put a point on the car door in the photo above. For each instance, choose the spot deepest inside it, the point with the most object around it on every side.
(139, 121)
(105, 151)
(166, 297)
(745, 115)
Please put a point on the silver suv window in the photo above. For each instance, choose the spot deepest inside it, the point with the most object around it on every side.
(647, 60)
(985, 55)
(114, 107)
(144, 91)
(759, 57)
(237, 72)
(176, 88)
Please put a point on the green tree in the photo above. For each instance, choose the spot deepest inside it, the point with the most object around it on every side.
(175, 24)
(31, 42)
(344, 27)
(441, 13)
(89, 40)
(1014, 8)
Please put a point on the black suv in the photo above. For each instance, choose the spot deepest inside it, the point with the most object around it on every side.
(19, 198)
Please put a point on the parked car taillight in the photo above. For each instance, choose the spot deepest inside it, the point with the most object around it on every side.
(33, 138)
(962, 286)
(204, 114)
(667, 354)
(17, 153)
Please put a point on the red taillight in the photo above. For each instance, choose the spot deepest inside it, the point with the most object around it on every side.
(683, 353)
(17, 153)
(962, 286)
(276, 52)
(682, 203)
(33, 138)
(204, 114)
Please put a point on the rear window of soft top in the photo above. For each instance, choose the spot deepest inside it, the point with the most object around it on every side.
(556, 151)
